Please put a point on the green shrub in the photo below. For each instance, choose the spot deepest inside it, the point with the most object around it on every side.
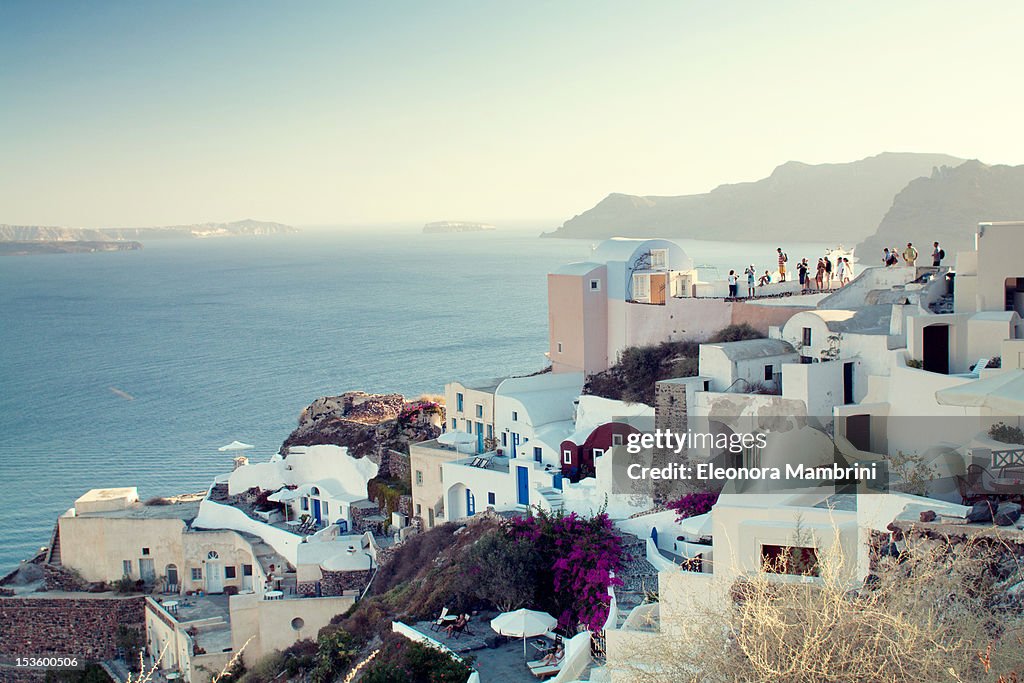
(1006, 433)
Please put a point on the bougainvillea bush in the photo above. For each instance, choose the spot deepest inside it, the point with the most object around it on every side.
(693, 504)
(582, 554)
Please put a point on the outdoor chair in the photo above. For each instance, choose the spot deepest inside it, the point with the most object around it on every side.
(465, 627)
(980, 481)
(439, 622)
(968, 496)
(457, 630)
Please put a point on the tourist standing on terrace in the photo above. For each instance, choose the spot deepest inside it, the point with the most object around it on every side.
(938, 253)
(910, 254)
(750, 280)
(828, 271)
(801, 271)
(841, 270)
(733, 285)
(783, 258)
(885, 257)
(820, 274)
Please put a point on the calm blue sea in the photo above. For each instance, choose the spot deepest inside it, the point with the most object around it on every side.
(130, 369)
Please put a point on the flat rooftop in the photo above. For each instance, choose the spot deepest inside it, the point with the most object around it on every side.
(184, 510)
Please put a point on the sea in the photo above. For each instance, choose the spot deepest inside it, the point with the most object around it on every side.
(132, 368)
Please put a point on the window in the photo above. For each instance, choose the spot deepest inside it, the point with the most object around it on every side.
(419, 510)
(595, 285)
(490, 431)
(807, 336)
(246, 570)
(567, 457)
(430, 517)
(479, 410)
(298, 623)
(212, 555)
(453, 424)
(617, 439)
(229, 572)
(145, 551)
(458, 402)
(504, 439)
(597, 453)
(197, 573)
(324, 510)
(490, 497)
(659, 258)
(641, 287)
(783, 559)
(126, 567)
(559, 347)
(769, 373)
(538, 453)
(515, 416)
(419, 477)
(305, 503)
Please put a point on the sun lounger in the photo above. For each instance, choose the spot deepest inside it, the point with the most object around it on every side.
(543, 672)
(440, 621)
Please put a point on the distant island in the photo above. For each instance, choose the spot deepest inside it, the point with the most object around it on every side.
(15, 248)
(23, 240)
(456, 226)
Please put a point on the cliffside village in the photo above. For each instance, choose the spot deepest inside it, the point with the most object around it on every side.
(903, 361)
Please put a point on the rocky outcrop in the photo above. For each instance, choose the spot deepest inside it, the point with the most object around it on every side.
(797, 202)
(368, 424)
(946, 207)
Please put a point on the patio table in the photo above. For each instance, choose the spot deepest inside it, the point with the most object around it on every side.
(171, 606)
(1008, 487)
(273, 595)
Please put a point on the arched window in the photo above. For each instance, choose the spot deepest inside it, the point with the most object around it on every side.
(314, 491)
(212, 555)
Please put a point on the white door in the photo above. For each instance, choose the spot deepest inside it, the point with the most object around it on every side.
(214, 577)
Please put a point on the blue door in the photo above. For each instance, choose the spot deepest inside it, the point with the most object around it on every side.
(523, 480)
(316, 510)
(557, 481)
(470, 503)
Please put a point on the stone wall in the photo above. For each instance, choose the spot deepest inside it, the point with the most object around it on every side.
(85, 627)
(393, 465)
(336, 583)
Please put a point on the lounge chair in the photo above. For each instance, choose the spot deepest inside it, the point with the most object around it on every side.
(465, 627)
(543, 672)
(439, 622)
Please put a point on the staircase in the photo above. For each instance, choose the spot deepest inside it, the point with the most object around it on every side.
(943, 305)
(53, 554)
(638, 576)
(552, 497)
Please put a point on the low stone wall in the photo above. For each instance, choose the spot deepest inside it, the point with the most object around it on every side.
(85, 627)
(336, 583)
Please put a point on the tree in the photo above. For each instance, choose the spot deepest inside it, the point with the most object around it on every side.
(503, 570)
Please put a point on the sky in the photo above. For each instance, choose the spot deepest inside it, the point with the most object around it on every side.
(155, 113)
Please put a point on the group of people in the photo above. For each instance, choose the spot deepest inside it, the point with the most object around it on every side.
(827, 272)
(909, 255)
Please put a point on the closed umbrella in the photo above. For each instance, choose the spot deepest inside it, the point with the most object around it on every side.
(457, 439)
(523, 623)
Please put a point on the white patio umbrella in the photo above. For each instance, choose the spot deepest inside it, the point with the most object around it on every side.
(457, 439)
(523, 623)
(1002, 393)
(236, 446)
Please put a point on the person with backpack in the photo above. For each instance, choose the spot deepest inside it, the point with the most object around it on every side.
(910, 254)
(783, 258)
(938, 253)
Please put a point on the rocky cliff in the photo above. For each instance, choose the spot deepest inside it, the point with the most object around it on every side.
(800, 202)
(367, 423)
(947, 207)
(64, 247)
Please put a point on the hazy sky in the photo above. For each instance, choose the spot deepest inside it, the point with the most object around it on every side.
(146, 113)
